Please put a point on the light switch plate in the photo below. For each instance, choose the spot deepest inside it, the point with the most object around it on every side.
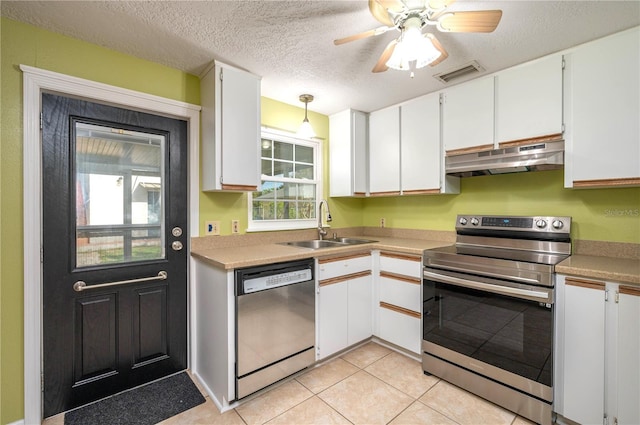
(235, 226)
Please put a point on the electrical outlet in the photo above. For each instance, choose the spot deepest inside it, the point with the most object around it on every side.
(382, 222)
(212, 228)
(235, 226)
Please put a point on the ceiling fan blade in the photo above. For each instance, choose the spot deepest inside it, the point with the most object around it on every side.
(438, 46)
(439, 4)
(378, 9)
(384, 57)
(360, 36)
(474, 21)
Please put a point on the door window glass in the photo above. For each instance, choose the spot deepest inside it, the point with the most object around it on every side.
(118, 195)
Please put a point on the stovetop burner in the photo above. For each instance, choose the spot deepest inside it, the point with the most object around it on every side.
(505, 247)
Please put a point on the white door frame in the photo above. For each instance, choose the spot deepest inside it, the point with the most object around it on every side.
(36, 81)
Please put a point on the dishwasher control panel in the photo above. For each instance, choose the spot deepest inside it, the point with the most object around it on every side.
(273, 281)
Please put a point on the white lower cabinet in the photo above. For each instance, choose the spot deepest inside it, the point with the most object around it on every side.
(398, 304)
(345, 307)
(598, 374)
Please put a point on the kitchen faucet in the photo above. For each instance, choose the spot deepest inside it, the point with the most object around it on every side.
(321, 231)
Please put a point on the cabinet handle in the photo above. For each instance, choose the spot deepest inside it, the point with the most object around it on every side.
(344, 278)
(408, 279)
(400, 310)
(585, 283)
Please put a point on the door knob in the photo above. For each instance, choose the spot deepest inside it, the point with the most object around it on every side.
(176, 245)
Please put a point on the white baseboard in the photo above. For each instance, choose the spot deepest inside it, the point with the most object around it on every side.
(19, 422)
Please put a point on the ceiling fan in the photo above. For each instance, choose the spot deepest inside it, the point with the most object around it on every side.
(413, 49)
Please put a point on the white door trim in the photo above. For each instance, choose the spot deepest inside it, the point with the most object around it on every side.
(36, 81)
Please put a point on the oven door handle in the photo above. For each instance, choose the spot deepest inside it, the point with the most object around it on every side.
(542, 296)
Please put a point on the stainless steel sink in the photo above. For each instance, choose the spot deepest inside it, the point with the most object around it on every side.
(352, 241)
(314, 244)
(327, 243)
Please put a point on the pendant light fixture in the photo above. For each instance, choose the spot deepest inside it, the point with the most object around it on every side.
(306, 131)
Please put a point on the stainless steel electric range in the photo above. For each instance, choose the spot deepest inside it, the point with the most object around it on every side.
(488, 309)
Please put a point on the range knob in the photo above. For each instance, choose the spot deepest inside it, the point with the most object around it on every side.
(474, 221)
(557, 224)
(541, 224)
(462, 221)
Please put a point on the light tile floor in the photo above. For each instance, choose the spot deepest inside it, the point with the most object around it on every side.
(369, 385)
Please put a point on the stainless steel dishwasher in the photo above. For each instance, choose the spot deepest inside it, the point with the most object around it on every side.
(275, 323)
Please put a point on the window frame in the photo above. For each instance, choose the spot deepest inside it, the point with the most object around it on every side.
(289, 224)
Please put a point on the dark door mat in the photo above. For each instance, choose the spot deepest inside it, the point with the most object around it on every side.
(145, 405)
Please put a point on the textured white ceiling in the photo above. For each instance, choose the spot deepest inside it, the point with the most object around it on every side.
(290, 43)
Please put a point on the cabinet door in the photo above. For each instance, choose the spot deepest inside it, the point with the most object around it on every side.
(384, 151)
(628, 358)
(348, 153)
(240, 130)
(360, 316)
(584, 363)
(603, 146)
(332, 319)
(400, 327)
(467, 116)
(230, 129)
(420, 155)
(529, 100)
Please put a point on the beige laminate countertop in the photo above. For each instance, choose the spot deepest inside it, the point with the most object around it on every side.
(623, 270)
(254, 255)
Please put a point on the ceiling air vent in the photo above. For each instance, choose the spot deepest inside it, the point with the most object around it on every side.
(470, 68)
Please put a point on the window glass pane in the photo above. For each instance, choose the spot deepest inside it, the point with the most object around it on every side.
(282, 150)
(119, 185)
(266, 167)
(304, 171)
(282, 169)
(263, 210)
(266, 146)
(267, 190)
(304, 154)
(307, 192)
(287, 192)
(306, 210)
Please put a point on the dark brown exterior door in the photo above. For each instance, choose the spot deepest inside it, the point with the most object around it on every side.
(114, 250)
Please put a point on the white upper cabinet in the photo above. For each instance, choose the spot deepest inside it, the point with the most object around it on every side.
(529, 101)
(602, 106)
(384, 151)
(230, 129)
(420, 155)
(348, 154)
(468, 116)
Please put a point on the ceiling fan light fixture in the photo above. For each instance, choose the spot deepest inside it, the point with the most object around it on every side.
(306, 130)
(413, 47)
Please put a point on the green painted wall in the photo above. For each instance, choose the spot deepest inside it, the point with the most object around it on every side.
(597, 214)
(28, 45)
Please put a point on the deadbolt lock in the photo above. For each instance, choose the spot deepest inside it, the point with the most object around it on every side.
(176, 231)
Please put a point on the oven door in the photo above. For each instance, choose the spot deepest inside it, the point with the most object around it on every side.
(499, 329)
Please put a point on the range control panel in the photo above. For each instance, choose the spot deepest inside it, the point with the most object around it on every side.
(515, 223)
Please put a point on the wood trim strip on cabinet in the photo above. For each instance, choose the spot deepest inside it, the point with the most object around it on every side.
(359, 194)
(420, 192)
(629, 290)
(389, 193)
(343, 257)
(531, 141)
(585, 283)
(408, 279)
(243, 188)
(401, 256)
(472, 149)
(343, 278)
(631, 181)
(401, 310)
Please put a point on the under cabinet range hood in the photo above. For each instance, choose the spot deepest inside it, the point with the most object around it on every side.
(532, 157)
